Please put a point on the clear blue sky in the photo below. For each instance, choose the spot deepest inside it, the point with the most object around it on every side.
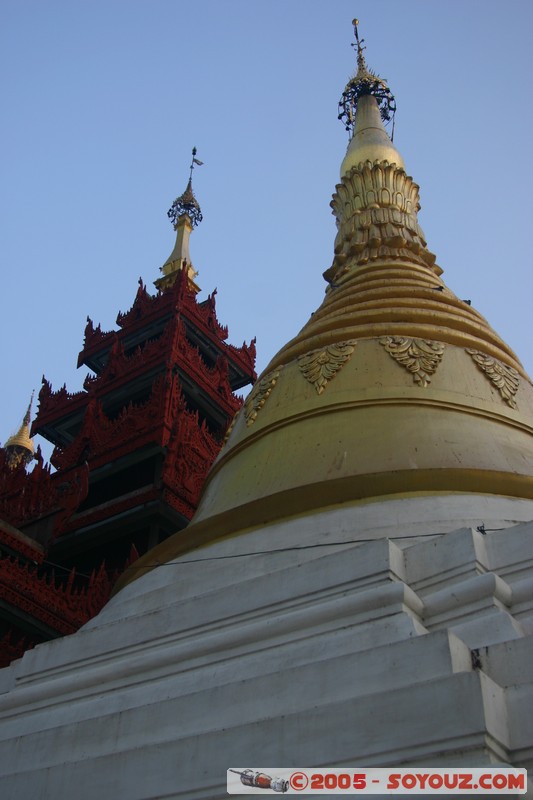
(103, 101)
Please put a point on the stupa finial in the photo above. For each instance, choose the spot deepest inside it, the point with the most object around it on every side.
(359, 44)
(187, 204)
(364, 82)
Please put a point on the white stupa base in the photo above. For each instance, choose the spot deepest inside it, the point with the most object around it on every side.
(289, 646)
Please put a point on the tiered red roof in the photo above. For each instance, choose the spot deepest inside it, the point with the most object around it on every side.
(132, 450)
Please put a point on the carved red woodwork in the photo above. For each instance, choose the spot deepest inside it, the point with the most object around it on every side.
(51, 401)
(161, 384)
(29, 496)
(94, 339)
(110, 509)
(63, 606)
(191, 451)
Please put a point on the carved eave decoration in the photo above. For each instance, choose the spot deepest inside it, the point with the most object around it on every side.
(94, 340)
(51, 402)
(142, 306)
(181, 299)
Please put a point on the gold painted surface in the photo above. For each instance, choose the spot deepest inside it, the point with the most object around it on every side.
(372, 434)
(389, 300)
(373, 418)
(370, 140)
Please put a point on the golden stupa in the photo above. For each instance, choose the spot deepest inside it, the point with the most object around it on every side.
(394, 388)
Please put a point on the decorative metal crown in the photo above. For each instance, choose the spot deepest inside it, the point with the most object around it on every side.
(187, 203)
(364, 82)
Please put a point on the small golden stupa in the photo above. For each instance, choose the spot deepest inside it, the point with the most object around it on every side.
(20, 448)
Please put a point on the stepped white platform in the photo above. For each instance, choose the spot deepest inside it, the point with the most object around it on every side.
(314, 650)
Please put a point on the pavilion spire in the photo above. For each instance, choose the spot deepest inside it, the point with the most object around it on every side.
(185, 214)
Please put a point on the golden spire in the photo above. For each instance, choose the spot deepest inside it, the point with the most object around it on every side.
(383, 278)
(185, 214)
(20, 447)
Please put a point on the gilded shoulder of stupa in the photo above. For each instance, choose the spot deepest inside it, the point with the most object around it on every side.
(394, 388)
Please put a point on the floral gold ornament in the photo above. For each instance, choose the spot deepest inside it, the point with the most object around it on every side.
(259, 396)
(506, 379)
(230, 427)
(320, 366)
(420, 357)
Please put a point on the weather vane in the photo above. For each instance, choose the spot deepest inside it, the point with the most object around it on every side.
(364, 82)
(187, 204)
(195, 161)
